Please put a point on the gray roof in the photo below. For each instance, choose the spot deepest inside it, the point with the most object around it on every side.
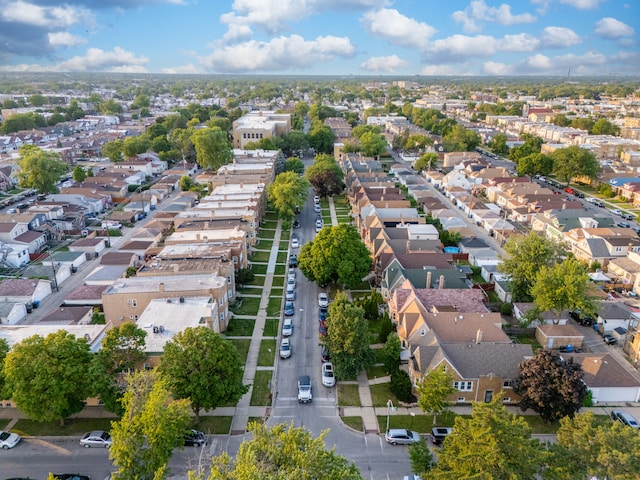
(67, 256)
(475, 360)
(598, 248)
(613, 311)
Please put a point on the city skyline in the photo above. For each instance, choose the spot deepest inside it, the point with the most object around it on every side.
(322, 37)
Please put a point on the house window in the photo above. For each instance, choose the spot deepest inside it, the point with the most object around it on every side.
(507, 384)
(235, 260)
(133, 302)
(221, 301)
(147, 366)
(463, 386)
(229, 279)
(222, 317)
(461, 399)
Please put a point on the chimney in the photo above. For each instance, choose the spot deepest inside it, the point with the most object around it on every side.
(479, 336)
(161, 287)
(197, 236)
(428, 282)
(176, 269)
(441, 282)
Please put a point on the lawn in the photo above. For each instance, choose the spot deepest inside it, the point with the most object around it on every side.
(4, 423)
(72, 426)
(260, 256)
(282, 257)
(270, 327)
(342, 219)
(259, 268)
(240, 327)
(269, 224)
(381, 393)
(284, 245)
(267, 352)
(215, 425)
(258, 281)
(242, 345)
(348, 395)
(271, 215)
(278, 281)
(376, 371)
(276, 292)
(259, 420)
(249, 306)
(280, 269)
(264, 244)
(379, 353)
(261, 395)
(353, 422)
(274, 306)
(284, 235)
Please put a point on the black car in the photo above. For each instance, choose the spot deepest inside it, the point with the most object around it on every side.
(296, 224)
(609, 339)
(325, 354)
(70, 476)
(322, 315)
(293, 261)
(194, 438)
(438, 434)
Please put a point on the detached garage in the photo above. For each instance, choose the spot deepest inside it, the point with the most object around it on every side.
(609, 381)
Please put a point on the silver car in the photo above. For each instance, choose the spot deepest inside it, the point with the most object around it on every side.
(97, 438)
(400, 436)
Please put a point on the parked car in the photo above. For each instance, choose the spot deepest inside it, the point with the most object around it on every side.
(322, 328)
(324, 354)
(627, 216)
(288, 309)
(438, 434)
(70, 476)
(609, 339)
(296, 224)
(400, 436)
(616, 211)
(287, 327)
(291, 294)
(96, 438)
(291, 273)
(625, 418)
(316, 199)
(323, 300)
(291, 282)
(8, 440)
(285, 348)
(623, 225)
(323, 314)
(293, 261)
(328, 379)
(317, 208)
(194, 438)
(295, 243)
(304, 389)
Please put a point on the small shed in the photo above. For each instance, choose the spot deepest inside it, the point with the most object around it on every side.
(92, 247)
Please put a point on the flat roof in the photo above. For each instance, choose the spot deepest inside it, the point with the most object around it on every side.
(17, 333)
(208, 235)
(165, 317)
(172, 283)
(193, 250)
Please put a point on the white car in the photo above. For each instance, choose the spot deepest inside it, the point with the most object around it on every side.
(295, 243)
(317, 208)
(328, 379)
(291, 274)
(316, 199)
(287, 327)
(8, 440)
(291, 282)
(97, 438)
(285, 348)
(323, 300)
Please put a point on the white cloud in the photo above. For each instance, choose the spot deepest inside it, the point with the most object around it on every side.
(397, 29)
(281, 53)
(457, 47)
(442, 70)
(559, 37)
(35, 15)
(274, 15)
(496, 68)
(65, 39)
(384, 64)
(236, 33)
(611, 28)
(189, 68)
(118, 60)
(478, 11)
(590, 63)
(522, 42)
(583, 4)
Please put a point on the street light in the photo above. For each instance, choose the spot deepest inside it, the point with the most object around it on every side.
(390, 408)
(413, 415)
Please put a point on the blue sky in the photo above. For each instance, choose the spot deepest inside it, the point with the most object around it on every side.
(323, 37)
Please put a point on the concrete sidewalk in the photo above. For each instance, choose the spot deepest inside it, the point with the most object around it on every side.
(332, 211)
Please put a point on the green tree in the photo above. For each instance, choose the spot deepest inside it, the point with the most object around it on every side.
(213, 148)
(287, 191)
(604, 127)
(498, 144)
(294, 164)
(153, 424)
(525, 256)
(416, 143)
(200, 365)
(550, 385)
(433, 391)
(133, 146)
(79, 174)
(492, 444)
(40, 169)
(321, 138)
(325, 175)
(122, 347)
(391, 352)
(400, 386)
(4, 349)
(113, 150)
(347, 337)
(47, 377)
(386, 327)
(612, 451)
(532, 144)
(336, 255)
(281, 452)
(535, 163)
(372, 144)
(421, 458)
(574, 161)
(563, 286)
(110, 107)
(141, 101)
(293, 143)
(37, 100)
(427, 161)
(460, 139)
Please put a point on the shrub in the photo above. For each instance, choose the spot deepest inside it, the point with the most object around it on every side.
(386, 327)
(506, 308)
(401, 386)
